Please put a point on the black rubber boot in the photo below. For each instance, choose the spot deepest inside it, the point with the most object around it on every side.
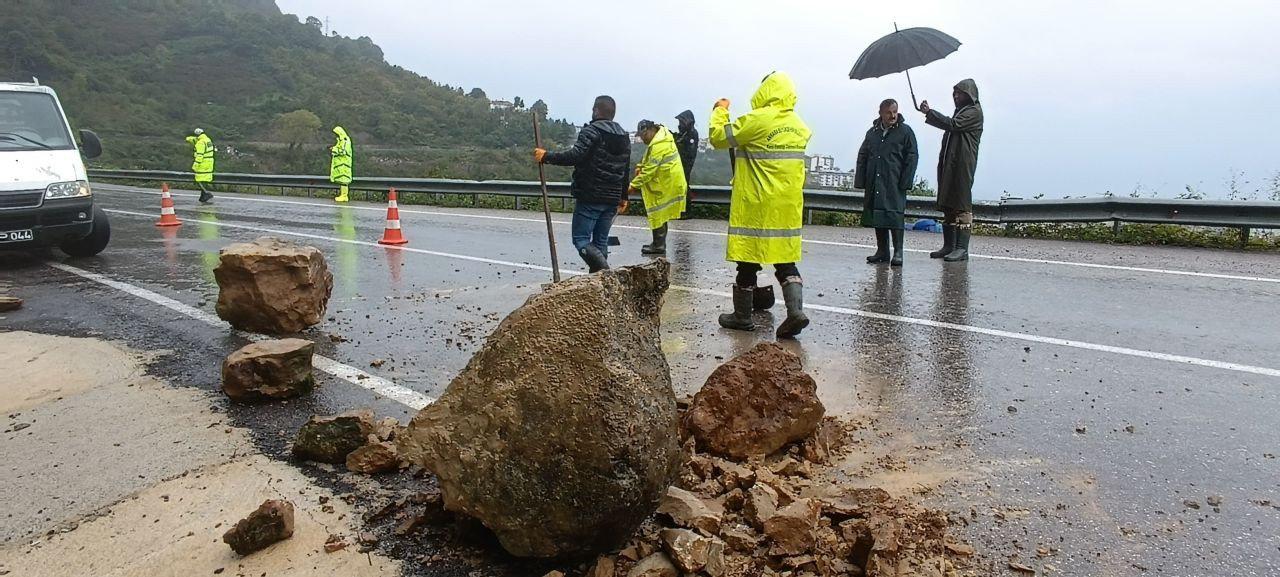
(740, 318)
(615, 241)
(595, 259)
(205, 197)
(659, 245)
(882, 247)
(796, 321)
(948, 242)
(898, 235)
(763, 299)
(961, 253)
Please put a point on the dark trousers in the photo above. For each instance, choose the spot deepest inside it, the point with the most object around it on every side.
(747, 273)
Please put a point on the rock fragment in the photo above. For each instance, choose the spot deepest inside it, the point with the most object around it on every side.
(687, 549)
(689, 510)
(374, 457)
(331, 439)
(9, 303)
(269, 371)
(271, 523)
(755, 404)
(655, 565)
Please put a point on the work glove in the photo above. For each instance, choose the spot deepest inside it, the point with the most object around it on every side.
(631, 191)
(538, 154)
(723, 103)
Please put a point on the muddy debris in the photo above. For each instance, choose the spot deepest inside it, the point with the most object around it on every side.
(655, 565)
(271, 523)
(272, 286)
(755, 404)
(331, 439)
(561, 435)
(269, 371)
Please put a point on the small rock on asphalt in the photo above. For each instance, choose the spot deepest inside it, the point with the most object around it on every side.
(9, 303)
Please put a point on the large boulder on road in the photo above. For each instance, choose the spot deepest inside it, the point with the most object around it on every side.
(561, 435)
(272, 286)
(755, 404)
(269, 370)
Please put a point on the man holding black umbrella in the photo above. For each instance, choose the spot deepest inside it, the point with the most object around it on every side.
(957, 163)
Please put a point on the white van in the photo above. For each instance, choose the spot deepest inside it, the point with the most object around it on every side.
(45, 199)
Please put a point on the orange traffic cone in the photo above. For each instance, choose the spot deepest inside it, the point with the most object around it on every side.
(392, 234)
(167, 217)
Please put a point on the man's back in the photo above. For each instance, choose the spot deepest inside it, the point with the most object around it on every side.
(601, 159)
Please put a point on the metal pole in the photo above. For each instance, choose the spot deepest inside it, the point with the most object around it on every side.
(1244, 237)
(546, 208)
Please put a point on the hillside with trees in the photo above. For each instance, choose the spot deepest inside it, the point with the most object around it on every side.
(265, 84)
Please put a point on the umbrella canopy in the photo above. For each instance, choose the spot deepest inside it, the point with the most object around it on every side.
(902, 51)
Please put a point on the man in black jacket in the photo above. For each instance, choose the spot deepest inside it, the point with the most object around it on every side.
(687, 143)
(600, 160)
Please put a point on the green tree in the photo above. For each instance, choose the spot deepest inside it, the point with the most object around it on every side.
(923, 188)
(540, 108)
(298, 129)
(519, 102)
(479, 94)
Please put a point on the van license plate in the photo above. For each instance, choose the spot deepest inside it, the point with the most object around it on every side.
(16, 235)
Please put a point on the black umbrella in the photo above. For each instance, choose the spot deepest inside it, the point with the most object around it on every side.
(902, 51)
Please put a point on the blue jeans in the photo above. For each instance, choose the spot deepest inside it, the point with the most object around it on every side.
(591, 224)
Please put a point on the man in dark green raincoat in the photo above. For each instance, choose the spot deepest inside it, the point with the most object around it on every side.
(886, 172)
(957, 163)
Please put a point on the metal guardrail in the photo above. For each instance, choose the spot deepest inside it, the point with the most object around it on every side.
(1244, 215)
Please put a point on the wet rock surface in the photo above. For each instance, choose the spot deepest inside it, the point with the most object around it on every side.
(561, 435)
(269, 370)
(331, 439)
(271, 523)
(271, 286)
(755, 404)
(374, 457)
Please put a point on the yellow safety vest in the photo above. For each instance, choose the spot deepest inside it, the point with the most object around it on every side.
(340, 166)
(202, 164)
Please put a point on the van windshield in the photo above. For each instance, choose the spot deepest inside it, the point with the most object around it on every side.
(32, 121)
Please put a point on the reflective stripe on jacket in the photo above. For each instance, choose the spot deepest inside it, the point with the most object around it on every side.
(766, 213)
(661, 180)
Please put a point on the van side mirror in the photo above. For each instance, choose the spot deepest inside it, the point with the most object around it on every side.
(90, 145)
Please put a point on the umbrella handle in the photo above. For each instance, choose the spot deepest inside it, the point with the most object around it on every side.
(913, 91)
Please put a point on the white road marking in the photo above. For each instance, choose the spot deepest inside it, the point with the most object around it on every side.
(378, 385)
(1180, 359)
(1090, 265)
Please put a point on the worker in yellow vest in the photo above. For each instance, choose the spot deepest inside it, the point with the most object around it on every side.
(660, 180)
(766, 211)
(340, 165)
(202, 162)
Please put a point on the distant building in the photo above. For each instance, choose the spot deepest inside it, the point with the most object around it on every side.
(501, 105)
(830, 179)
(822, 164)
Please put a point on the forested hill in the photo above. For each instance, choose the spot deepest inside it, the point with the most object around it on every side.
(144, 72)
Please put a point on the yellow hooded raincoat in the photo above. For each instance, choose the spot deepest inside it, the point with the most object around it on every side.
(766, 213)
(661, 180)
(340, 166)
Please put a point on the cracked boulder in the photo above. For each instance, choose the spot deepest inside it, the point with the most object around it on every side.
(561, 435)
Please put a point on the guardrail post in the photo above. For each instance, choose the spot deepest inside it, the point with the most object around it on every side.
(1244, 237)
(1115, 228)
(518, 202)
(808, 216)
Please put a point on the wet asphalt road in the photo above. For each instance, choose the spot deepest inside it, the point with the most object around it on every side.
(1017, 406)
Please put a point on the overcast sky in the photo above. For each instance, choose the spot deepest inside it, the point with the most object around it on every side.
(1080, 97)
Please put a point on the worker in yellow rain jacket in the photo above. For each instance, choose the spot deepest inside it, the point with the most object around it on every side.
(766, 213)
(340, 166)
(202, 162)
(660, 180)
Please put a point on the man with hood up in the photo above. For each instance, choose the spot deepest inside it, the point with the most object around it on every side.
(340, 166)
(766, 211)
(601, 161)
(687, 142)
(957, 163)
